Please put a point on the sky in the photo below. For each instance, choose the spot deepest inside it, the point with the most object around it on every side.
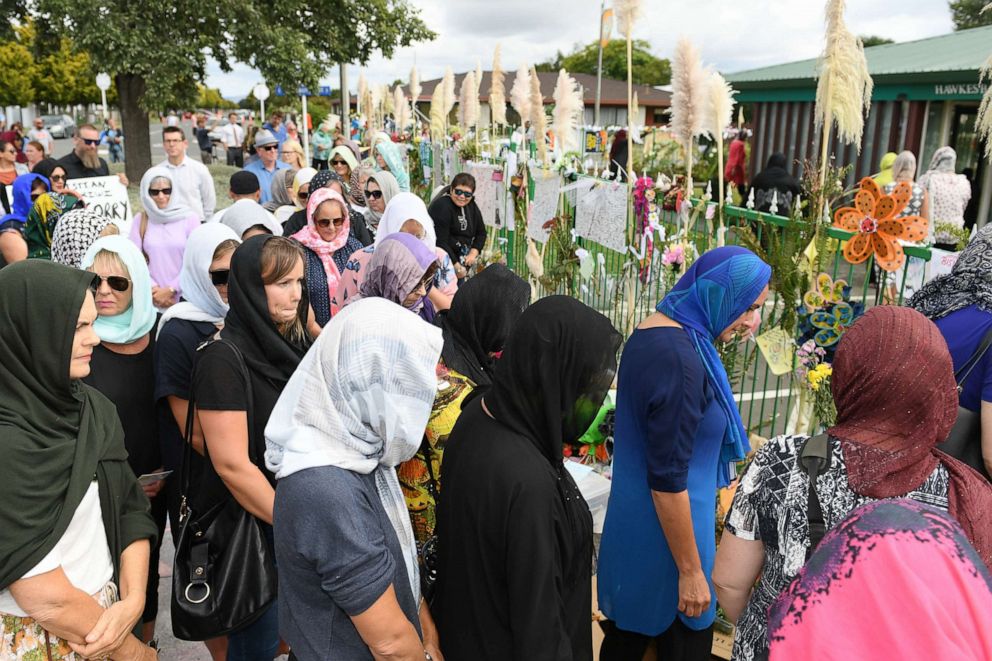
(732, 36)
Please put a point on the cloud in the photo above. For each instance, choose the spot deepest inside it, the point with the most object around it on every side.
(731, 36)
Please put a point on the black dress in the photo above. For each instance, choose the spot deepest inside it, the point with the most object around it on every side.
(459, 229)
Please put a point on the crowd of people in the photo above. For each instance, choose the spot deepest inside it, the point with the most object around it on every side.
(355, 436)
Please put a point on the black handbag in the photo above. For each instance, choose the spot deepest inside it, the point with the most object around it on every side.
(964, 443)
(224, 575)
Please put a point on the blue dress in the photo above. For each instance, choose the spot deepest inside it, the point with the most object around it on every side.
(669, 431)
(963, 330)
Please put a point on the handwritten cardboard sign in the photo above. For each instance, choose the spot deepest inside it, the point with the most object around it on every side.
(106, 196)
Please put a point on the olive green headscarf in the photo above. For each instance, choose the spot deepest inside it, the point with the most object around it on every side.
(57, 434)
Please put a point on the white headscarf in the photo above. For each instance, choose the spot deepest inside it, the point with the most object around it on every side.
(404, 207)
(389, 187)
(202, 301)
(245, 214)
(176, 209)
(360, 400)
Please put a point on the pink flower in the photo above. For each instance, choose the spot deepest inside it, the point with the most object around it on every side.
(673, 255)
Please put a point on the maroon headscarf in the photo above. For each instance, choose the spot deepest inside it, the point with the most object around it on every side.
(893, 384)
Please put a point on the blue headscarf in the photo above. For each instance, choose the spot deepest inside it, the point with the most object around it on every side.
(717, 289)
(21, 205)
(391, 153)
(139, 318)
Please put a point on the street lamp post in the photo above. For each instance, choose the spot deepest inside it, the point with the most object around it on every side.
(103, 82)
(261, 92)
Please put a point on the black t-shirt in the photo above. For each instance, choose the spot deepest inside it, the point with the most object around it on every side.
(203, 139)
(129, 382)
(175, 351)
(74, 168)
(219, 385)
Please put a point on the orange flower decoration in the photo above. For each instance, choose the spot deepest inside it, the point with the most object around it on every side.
(877, 230)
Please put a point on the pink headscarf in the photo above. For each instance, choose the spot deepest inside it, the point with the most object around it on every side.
(309, 237)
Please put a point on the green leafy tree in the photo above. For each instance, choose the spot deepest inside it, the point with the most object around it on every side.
(648, 69)
(968, 14)
(157, 51)
(210, 98)
(17, 68)
(874, 40)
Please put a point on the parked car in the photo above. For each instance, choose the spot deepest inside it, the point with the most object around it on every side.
(60, 126)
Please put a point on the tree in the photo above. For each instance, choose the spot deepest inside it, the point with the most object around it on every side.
(157, 51)
(874, 40)
(648, 69)
(16, 74)
(210, 98)
(968, 14)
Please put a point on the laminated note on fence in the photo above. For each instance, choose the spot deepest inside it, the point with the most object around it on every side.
(547, 185)
(486, 190)
(601, 216)
(777, 347)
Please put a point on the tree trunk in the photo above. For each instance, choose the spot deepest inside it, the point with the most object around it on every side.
(134, 121)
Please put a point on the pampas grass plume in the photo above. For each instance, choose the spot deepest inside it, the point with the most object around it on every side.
(415, 88)
(401, 109)
(437, 113)
(720, 105)
(448, 84)
(688, 94)
(984, 122)
(843, 93)
(537, 117)
(520, 93)
(497, 91)
(468, 102)
(567, 113)
(627, 12)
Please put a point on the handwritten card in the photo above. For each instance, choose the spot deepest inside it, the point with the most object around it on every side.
(777, 347)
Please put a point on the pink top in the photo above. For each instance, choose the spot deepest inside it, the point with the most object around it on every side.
(163, 247)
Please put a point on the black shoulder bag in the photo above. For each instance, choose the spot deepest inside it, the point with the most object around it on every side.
(224, 574)
(964, 443)
(814, 458)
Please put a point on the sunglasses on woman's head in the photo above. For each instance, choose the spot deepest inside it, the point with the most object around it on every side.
(460, 192)
(374, 194)
(115, 282)
(153, 192)
(220, 276)
(326, 222)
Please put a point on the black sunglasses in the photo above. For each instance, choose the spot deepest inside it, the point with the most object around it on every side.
(220, 276)
(463, 193)
(303, 195)
(115, 282)
(326, 222)
(374, 194)
(91, 143)
(58, 177)
(338, 161)
(152, 192)
(269, 147)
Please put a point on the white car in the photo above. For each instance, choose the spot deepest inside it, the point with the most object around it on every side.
(60, 126)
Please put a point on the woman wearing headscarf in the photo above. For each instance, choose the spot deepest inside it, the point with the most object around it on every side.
(184, 327)
(474, 330)
(618, 156)
(123, 370)
(514, 533)
(380, 188)
(903, 168)
(960, 303)
(248, 218)
(885, 175)
(774, 183)
(327, 244)
(735, 172)
(266, 326)
(18, 240)
(343, 162)
(356, 222)
(354, 410)
(406, 213)
(161, 232)
(896, 399)
(401, 271)
(76, 232)
(301, 188)
(678, 432)
(948, 194)
(888, 553)
(389, 157)
(356, 189)
(322, 143)
(76, 528)
(461, 232)
(280, 202)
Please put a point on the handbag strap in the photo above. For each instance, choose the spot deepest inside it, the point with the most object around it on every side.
(965, 371)
(813, 459)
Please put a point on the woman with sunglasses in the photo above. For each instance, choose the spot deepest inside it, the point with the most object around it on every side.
(122, 368)
(10, 169)
(458, 222)
(406, 213)
(15, 242)
(358, 226)
(343, 161)
(327, 244)
(300, 190)
(379, 190)
(76, 529)
(49, 208)
(161, 231)
(262, 342)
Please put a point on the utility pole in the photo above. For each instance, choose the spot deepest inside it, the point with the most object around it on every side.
(345, 102)
(599, 64)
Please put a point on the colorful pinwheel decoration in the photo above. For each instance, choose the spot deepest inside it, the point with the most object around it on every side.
(826, 314)
(877, 229)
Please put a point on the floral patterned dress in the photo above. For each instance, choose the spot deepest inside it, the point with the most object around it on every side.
(22, 638)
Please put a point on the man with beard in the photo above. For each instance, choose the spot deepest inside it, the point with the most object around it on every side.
(83, 161)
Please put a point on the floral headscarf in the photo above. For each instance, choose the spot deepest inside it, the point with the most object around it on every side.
(309, 236)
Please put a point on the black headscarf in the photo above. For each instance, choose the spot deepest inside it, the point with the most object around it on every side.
(248, 323)
(554, 373)
(775, 177)
(56, 432)
(45, 167)
(618, 155)
(479, 322)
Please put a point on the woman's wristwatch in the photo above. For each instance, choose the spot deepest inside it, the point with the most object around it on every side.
(427, 656)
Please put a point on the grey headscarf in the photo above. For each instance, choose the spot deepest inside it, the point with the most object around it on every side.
(281, 181)
(968, 283)
(389, 187)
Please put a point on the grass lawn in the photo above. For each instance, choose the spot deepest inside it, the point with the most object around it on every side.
(220, 172)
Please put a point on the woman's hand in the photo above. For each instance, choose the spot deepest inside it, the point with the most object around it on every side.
(113, 628)
(432, 642)
(163, 297)
(470, 258)
(153, 489)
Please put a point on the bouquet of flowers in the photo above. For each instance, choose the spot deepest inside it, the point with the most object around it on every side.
(813, 373)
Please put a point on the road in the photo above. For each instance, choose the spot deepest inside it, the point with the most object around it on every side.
(64, 145)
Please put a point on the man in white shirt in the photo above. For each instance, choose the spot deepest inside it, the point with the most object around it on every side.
(41, 134)
(234, 138)
(192, 183)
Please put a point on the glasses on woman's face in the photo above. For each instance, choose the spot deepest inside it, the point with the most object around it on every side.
(155, 192)
(373, 194)
(58, 177)
(115, 282)
(324, 223)
(220, 277)
(303, 195)
(337, 161)
(461, 192)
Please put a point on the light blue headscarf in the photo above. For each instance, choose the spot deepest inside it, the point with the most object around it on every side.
(717, 289)
(139, 318)
(391, 153)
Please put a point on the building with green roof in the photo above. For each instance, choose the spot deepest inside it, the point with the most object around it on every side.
(926, 95)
